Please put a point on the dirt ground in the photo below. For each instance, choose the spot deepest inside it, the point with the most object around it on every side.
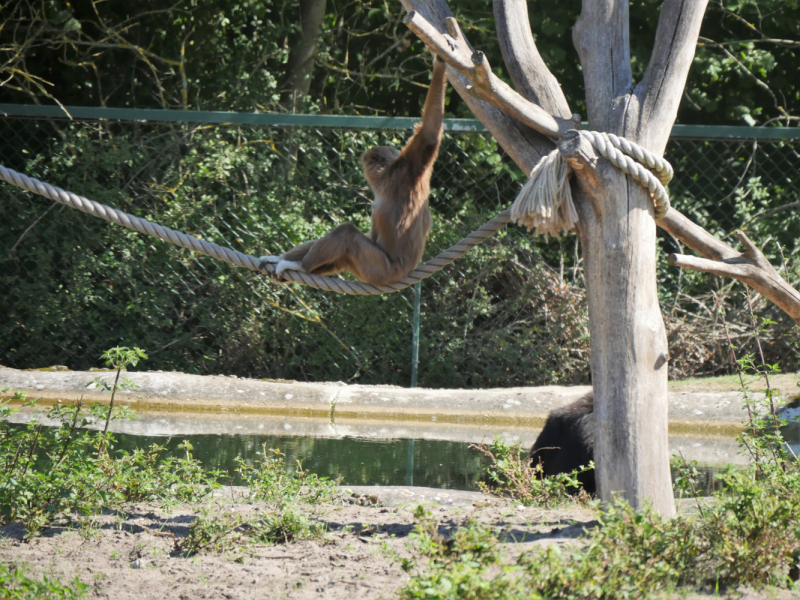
(131, 555)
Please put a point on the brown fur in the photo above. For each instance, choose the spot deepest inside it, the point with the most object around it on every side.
(401, 219)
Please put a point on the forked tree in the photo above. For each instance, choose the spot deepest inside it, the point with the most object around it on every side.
(617, 225)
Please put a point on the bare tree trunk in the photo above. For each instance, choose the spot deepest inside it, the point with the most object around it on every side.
(303, 52)
(628, 341)
(618, 239)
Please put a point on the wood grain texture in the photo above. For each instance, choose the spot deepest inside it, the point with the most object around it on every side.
(661, 88)
(750, 267)
(528, 71)
(628, 340)
(524, 145)
(601, 38)
(485, 85)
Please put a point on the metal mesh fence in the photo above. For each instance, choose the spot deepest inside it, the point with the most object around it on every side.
(511, 312)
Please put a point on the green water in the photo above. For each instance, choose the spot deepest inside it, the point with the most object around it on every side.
(359, 461)
(428, 463)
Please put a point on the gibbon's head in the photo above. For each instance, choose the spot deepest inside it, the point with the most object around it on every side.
(375, 161)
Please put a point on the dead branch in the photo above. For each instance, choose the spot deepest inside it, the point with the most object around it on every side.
(750, 267)
(528, 71)
(717, 257)
(454, 50)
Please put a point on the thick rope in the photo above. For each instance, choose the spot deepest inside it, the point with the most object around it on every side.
(245, 260)
(631, 159)
(545, 202)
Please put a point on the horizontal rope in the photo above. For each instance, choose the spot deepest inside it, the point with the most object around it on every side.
(331, 284)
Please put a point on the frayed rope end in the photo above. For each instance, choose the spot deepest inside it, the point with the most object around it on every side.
(544, 203)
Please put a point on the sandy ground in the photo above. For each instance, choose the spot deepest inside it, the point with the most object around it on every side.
(131, 555)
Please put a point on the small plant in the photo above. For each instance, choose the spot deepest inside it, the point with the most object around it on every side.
(471, 565)
(14, 583)
(222, 531)
(47, 473)
(225, 531)
(118, 358)
(269, 481)
(510, 474)
(288, 526)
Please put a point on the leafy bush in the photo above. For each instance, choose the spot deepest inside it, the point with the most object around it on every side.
(52, 472)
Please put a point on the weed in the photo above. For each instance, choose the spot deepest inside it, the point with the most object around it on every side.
(51, 472)
(269, 481)
(225, 531)
(287, 526)
(118, 358)
(14, 583)
(510, 474)
(219, 532)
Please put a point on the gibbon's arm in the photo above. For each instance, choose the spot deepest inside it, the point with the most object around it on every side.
(429, 133)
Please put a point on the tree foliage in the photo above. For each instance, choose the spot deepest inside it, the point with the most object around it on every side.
(230, 55)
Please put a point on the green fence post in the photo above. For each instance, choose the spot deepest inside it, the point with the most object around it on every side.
(414, 365)
(415, 337)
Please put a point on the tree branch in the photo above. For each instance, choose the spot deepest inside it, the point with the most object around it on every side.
(524, 145)
(486, 86)
(750, 267)
(531, 76)
(659, 92)
(601, 38)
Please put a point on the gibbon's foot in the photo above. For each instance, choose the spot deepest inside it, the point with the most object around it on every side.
(280, 266)
(273, 275)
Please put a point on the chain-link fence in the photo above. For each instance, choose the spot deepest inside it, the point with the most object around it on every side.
(511, 312)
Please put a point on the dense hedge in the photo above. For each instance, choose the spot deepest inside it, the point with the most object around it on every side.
(511, 312)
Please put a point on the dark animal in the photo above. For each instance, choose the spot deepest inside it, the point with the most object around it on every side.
(401, 219)
(567, 441)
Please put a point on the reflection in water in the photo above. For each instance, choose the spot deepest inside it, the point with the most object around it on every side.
(397, 459)
(426, 463)
(429, 463)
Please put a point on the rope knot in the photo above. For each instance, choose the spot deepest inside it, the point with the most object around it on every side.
(544, 203)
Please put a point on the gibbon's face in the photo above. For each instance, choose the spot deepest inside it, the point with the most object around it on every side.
(375, 161)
